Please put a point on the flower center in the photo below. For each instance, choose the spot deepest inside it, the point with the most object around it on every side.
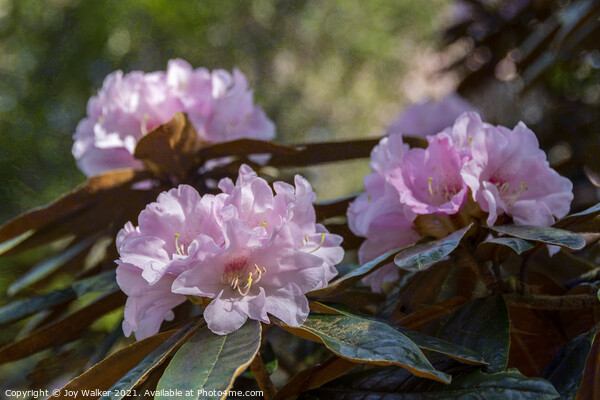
(443, 193)
(237, 276)
(181, 246)
(510, 196)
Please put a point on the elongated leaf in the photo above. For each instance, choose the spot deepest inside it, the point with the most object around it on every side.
(424, 255)
(68, 204)
(452, 350)
(243, 147)
(48, 266)
(584, 221)
(504, 245)
(341, 284)
(365, 341)
(566, 369)
(22, 308)
(62, 331)
(590, 386)
(423, 341)
(10, 244)
(108, 371)
(317, 153)
(143, 369)
(543, 234)
(481, 325)
(466, 386)
(101, 282)
(210, 362)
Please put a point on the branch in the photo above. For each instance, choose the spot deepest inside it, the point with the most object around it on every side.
(542, 302)
(262, 377)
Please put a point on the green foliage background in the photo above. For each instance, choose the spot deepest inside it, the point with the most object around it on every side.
(320, 69)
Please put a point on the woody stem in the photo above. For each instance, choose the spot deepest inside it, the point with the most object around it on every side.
(262, 377)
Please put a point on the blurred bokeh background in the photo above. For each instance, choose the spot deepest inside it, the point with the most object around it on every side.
(320, 69)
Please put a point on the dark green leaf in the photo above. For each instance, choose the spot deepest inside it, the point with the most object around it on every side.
(426, 254)
(543, 234)
(102, 282)
(15, 241)
(22, 308)
(62, 331)
(341, 284)
(141, 371)
(566, 369)
(366, 341)
(25, 307)
(453, 350)
(481, 325)
(466, 386)
(423, 341)
(208, 361)
(48, 266)
(590, 385)
(108, 371)
(584, 221)
(486, 249)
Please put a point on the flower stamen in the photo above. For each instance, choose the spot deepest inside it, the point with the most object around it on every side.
(320, 244)
(233, 279)
(179, 247)
(248, 286)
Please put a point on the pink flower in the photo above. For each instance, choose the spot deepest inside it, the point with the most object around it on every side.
(273, 254)
(429, 117)
(428, 180)
(508, 173)
(465, 128)
(254, 253)
(130, 105)
(388, 230)
(378, 214)
(154, 254)
(363, 210)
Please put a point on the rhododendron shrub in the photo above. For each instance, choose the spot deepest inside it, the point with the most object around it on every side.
(431, 283)
(253, 252)
(128, 106)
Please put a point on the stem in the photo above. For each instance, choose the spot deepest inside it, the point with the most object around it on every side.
(541, 302)
(490, 280)
(262, 377)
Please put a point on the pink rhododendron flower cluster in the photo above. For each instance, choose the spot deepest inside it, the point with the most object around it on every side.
(252, 251)
(503, 170)
(128, 106)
